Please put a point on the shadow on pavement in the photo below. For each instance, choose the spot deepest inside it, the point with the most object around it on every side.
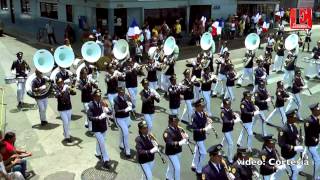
(98, 172)
(75, 142)
(48, 126)
(65, 175)
(133, 155)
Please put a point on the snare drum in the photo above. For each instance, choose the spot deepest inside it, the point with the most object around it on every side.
(21, 79)
(10, 79)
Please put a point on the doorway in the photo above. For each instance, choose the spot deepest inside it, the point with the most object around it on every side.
(120, 22)
(102, 19)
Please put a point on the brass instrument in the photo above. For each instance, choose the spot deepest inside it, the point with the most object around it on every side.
(155, 143)
(185, 136)
(227, 169)
(210, 121)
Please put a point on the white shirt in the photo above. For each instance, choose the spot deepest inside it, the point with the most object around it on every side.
(217, 166)
(259, 30)
(148, 34)
(49, 28)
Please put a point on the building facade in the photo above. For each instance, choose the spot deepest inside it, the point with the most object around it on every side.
(30, 15)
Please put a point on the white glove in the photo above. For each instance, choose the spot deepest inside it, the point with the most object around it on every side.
(43, 87)
(154, 149)
(13, 71)
(129, 108)
(27, 72)
(298, 148)
(67, 81)
(102, 116)
(281, 167)
(106, 110)
(256, 113)
(182, 142)
(231, 176)
(256, 174)
(269, 99)
(208, 127)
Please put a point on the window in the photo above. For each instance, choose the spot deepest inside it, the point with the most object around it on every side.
(49, 10)
(69, 13)
(3, 4)
(25, 6)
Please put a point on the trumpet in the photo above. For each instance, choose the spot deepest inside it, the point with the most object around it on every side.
(155, 143)
(185, 136)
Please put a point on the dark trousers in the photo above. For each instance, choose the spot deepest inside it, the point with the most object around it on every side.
(21, 167)
(53, 37)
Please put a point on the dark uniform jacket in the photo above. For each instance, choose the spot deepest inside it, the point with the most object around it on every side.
(247, 110)
(86, 90)
(287, 140)
(172, 137)
(143, 147)
(250, 59)
(112, 85)
(297, 85)
(196, 71)
(316, 52)
(131, 79)
(261, 96)
(209, 172)
(227, 118)
(206, 83)
(199, 121)
(152, 74)
(121, 104)
(36, 83)
(21, 67)
(242, 172)
(174, 96)
(280, 51)
(148, 102)
(64, 76)
(170, 70)
(266, 168)
(188, 92)
(312, 130)
(231, 77)
(259, 73)
(63, 97)
(94, 111)
(291, 65)
(281, 94)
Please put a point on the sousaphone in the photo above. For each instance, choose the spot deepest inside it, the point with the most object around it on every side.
(121, 50)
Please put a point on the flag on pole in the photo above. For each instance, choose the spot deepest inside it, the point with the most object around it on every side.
(134, 30)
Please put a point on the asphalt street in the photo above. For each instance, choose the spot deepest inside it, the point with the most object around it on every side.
(53, 159)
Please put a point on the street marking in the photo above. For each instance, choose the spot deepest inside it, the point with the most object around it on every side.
(314, 89)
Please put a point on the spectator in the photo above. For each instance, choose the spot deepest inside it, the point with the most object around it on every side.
(242, 25)
(14, 157)
(67, 43)
(3, 169)
(50, 32)
(233, 29)
(177, 29)
(69, 33)
(100, 43)
(165, 30)
(138, 52)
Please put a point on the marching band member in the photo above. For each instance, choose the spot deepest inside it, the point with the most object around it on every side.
(170, 62)
(62, 93)
(288, 137)
(206, 82)
(268, 170)
(174, 96)
(289, 68)
(227, 117)
(248, 111)
(131, 78)
(21, 69)
(111, 80)
(38, 85)
(188, 96)
(122, 107)
(215, 169)
(267, 62)
(281, 97)
(243, 171)
(64, 75)
(97, 114)
(223, 68)
(148, 96)
(260, 74)
(307, 39)
(231, 78)
(270, 43)
(316, 56)
(312, 130)
(152, 73)
(278, 60)
(248, 68)
(262, 98)
(158, 57)
(224, 48)
(174, 137)
(297, 86)
(145, 150)
(200, 125)
(196, 71)
(86, 88)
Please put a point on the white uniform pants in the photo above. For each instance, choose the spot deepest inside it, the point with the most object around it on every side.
(122, 84)
(187, 111)
(220, 85)
(166, 83)
(149, 119)
(199, 156)
(174, 111)
(20, 91)
(87, 122)
(288, 78)
(173, 170)
(248, 128)
(133, 95)
(153, 85)
(197, 92)
(42, 105)
(294, 168)
(314, 156)
(147, 170)
(261, 116)
(228, 137)
(318, 68)
(295, 101)
(247, 74)
(278, 63)
(274, 176)
(111, 100)
(279, 110)
(160, 79)
(123, 124)
(229, 93)
(66, 119)
(206, 96)
(101, 146)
